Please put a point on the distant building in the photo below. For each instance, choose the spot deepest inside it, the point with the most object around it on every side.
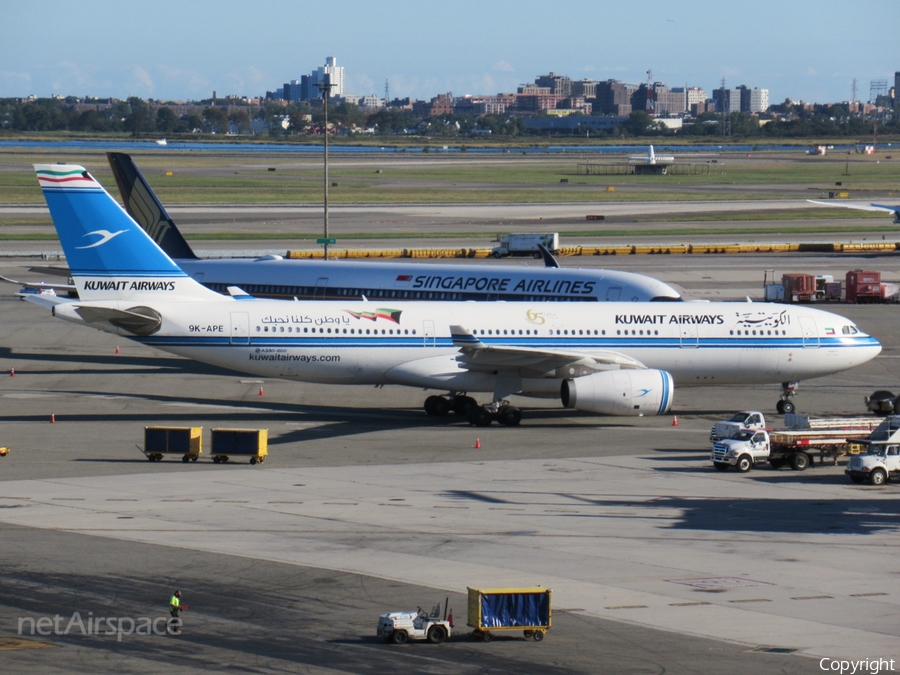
(533, 90)
(727, 100)
(291, 91)
(560, 85)
(754, 100)
(584, 89)
(613, 98)
(371, 101)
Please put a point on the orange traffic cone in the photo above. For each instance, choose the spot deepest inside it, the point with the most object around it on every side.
(117, 349)
(261, 391)
(12, 372)
(52, 418)
(674, 420)
(478, 444)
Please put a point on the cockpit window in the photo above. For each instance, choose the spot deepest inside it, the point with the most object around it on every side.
(849, 330)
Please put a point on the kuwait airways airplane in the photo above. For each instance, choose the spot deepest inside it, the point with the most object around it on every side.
(610, 358)
(274, 277)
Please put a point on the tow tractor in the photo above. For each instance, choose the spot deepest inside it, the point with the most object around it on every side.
(400, 627)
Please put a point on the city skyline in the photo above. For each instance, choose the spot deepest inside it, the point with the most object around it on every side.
(804, 50)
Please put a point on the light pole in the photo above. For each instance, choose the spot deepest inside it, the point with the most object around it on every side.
(325, 88)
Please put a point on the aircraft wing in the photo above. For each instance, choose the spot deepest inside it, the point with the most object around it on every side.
(477, 356)
(40, 284)
(862, 207)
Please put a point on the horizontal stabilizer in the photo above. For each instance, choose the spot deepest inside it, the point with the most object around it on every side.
(137, 320)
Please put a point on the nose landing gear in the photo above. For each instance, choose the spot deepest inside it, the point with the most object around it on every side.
(785, 406)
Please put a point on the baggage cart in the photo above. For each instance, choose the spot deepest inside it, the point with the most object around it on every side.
(493, 610)
(252, 443)
(184, 441)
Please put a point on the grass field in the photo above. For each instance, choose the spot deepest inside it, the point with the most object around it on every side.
(219, 178)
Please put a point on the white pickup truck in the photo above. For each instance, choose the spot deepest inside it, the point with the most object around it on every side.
(745, 419)
(748, 447)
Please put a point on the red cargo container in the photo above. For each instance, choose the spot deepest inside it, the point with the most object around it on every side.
(863, 286)
(799, 287)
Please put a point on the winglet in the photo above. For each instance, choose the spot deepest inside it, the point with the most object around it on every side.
(463, 338)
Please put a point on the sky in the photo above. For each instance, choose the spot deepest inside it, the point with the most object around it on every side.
(809, 50)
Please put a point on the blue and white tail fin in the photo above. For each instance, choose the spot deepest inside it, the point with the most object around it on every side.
(109, 255)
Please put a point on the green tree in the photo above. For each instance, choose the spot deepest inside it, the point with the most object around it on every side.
(215, 120)
(240, 118)
(166, 120)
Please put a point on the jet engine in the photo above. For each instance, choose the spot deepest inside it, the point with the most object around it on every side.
(620, 392)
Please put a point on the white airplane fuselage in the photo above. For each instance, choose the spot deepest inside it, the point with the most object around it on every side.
(410, 343)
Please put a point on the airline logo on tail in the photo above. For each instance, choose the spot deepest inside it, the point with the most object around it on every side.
(106, 234)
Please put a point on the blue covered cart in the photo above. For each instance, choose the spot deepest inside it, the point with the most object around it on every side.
(504, 609)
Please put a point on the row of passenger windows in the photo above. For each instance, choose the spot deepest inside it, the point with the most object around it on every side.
(357, 293)
(488, 331)
(336, 331)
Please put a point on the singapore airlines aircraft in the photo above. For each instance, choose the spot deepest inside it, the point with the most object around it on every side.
(611, 358)
(274, 277)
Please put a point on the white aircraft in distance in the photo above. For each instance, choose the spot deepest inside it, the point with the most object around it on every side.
(275, 277)
(651, 158)
(611, 358)
(862, 207)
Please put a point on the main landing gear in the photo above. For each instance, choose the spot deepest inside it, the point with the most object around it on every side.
(466, 406)
(785, 406)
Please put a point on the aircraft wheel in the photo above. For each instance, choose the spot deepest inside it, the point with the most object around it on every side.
(509, 415)
(780, 407)
(480, 417)
(787, 407)
(463, 404)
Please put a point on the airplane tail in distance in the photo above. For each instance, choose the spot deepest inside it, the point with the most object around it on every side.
(109, 255)
(143, 205)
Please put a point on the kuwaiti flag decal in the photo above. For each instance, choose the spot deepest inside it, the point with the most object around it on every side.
(829, 331)
(380, 313)
(66, 178)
